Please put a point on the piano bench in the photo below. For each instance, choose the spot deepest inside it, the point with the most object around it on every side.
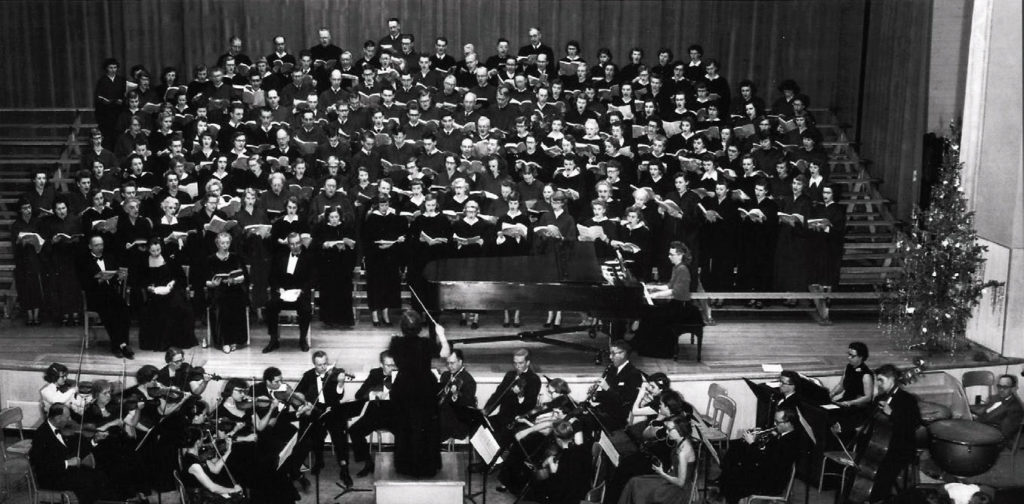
(696, 331)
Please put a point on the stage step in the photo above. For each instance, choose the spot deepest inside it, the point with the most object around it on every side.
(444, 488)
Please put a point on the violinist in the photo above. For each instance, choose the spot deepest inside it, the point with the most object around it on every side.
(515, 395)
(182, 375)
(761, 464)
(324, 387)
(614, 395)
(379, 413)
(458, 398)
(236, 405)
(542, 418)
(649, 435)
(652, 392)
(56, 458)
(563, 474)
(535, 435)
(59, 389)
(237, 409)
(203, 465)
(670, 483)
(280, 406)
(115, 455)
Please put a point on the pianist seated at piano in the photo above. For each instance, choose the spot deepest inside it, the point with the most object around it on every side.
(658, 333)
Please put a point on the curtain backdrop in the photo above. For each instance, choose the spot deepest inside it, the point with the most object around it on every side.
(895, 102)
(53, 48)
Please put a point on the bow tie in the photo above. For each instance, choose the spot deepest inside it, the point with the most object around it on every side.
(98, 258)
(295, 255)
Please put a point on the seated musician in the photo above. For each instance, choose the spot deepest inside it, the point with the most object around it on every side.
(514, 396)
(180, 374)
(56, 458)
(115, 456)
(787, 397)
(324, 387)
(375, 392)
(762, 463)
(565, 468)
(202, 467)
(856, 391)
(652, 393)
(658, 332)
(281, 405)
(1003, 410)
(618, 388)
(904, 417)
(647, 433)
(59, 389)
(458, 400)
(670, 483)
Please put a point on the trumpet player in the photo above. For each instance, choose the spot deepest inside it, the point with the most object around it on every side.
(457, 397)
(762, 463)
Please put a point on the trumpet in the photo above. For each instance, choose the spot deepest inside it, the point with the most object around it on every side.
(762, 436)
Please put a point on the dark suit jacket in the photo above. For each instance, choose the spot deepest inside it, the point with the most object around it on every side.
(905, 419)
(87, 269)
(374, 382)
(623, 386)
(1006, 417)
(307, 385)
(510, 405)
(779, 456)
(467, 391)
(48, 455)
(301, 279)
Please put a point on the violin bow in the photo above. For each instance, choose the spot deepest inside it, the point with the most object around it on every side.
(78, 380)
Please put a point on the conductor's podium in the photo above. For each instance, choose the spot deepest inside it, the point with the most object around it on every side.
(444, 488)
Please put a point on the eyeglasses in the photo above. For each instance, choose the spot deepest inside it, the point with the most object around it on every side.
(999, 386)
(852, 355)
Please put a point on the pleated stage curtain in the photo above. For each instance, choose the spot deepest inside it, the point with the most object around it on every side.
(53, 48)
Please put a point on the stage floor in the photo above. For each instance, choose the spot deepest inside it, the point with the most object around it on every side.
(737, 346)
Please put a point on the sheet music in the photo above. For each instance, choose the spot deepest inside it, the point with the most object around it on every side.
(609, 449)
(287, 450)
(486, 446)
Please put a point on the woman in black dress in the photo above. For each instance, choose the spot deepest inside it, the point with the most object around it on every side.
(170, 229)
(558, 244)
(166, 318)
(334, 242)
(634, 241)
(826, 246)
(201, 472)
(658, 333)
(791, 265)
(856, 392)
(253, 247)
(429, 235)
(98, 211)
(471, 237)
(383, 239)
(602, 246)
(417, 427)
(62, 234)
(227, 287)
(287, 224)
(513, 238)
(28, 267)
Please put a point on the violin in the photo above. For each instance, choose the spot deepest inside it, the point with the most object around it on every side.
(451, 389)
(67, 385)
(170, 394)
(520, 386)
(212, 450)
(199, 374)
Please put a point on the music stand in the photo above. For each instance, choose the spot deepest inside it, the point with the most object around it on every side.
(486, 446)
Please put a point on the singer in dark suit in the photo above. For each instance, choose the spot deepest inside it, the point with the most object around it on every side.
(516, 395)
(104, 297)
(56, 460)
(375, 393)
(618, 389)
(324, 387)
(288, 272)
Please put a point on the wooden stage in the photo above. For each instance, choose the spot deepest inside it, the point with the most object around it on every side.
(737, 346)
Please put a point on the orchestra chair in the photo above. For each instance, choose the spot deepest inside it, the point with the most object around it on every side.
(1016, 447)
(182, 493)
(714, 390)
(13, 471)
(843, 458)
(598, 483)
(209, 331)
(723, 414)
(982, 378)
(87, 316)
(43, 496)
(784, 497)
(295, 315)
(13, 417)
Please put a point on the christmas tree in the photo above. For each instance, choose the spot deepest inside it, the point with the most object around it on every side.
(930, 301)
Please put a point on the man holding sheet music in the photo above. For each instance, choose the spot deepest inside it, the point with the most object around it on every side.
(291, 277)
(99, 274)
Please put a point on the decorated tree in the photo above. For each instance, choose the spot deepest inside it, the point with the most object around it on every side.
(930, 301)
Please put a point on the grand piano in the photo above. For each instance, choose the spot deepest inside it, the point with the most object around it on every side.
(570, 279)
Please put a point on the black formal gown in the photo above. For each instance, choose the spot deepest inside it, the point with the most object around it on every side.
(436, 226)
(59, 260)
(417, 427)
(168, 320)
(334, 278)
(255, 252)
(228, 318)
(791, 266)
(383, 269)
(28, 266)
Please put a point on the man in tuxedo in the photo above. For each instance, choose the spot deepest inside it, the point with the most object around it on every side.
(619, 387)
(515, 395)
(787, 397)
(904, 418)
(761, 468)
(104, 297)
(375, 393)
(536, 47)
(1003, 410)
(57, 460)
(324, 387)
(459, 399)
(290, 273)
